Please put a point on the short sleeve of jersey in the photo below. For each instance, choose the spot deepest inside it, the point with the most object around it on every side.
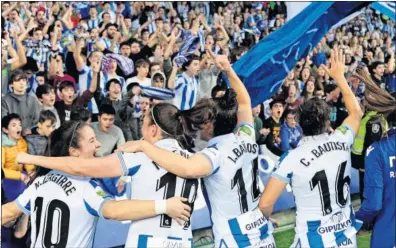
(130, 162)
(95, 198)
(246, 129)
(283, 169)
(23, 200)
(345, 133)
(213, 154)
(179, 82)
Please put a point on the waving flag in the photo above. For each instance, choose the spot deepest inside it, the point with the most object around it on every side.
(386, 8)
(267, 64)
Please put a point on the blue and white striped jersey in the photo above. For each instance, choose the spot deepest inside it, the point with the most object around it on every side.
(186, 91)
(107, 44)
(152, 182)
(232, 191)
(319, 171)
(93, 23)
(84, 82)
(63, 209)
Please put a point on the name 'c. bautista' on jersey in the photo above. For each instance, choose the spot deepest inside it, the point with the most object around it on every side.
(319, 171)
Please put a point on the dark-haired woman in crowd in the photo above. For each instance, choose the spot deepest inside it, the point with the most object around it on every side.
(79, 201)
(319, 170)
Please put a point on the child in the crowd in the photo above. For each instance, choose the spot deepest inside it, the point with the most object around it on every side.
(46, 95)
(291, 132)
(38, 140)
(19, 101)
(41, 78)
(68, 92)
(130, 113)
(142, 69)
(12, 144)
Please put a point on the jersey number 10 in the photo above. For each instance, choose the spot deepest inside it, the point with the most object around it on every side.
(55, 209)
(320, 180)
(168, 181)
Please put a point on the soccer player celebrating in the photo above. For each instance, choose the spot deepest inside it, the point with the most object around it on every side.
(230, 182)
(379, 202)
(319, 170)
(226, 164)
(166, 127)
(64, 208)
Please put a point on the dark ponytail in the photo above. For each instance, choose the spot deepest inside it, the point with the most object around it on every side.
(225, 110)
(182, 125)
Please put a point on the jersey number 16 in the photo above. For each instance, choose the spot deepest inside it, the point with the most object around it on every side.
(320, 180)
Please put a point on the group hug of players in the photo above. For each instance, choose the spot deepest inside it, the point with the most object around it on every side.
(65, 202)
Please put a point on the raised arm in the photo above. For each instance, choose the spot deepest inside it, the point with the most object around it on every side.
(108, 166)
(6, 12)
(172, 77)
(53, 63)
(336, 71)
(244, 103)
(194, 167)
(77, 55)
(66, 18)
(22, 60)
(31, 25)
(95, 76)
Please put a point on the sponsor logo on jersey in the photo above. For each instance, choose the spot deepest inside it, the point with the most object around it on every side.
(342, 129)
(346, 243)
(265, 243)
(100, 192)
(256, 224)
(245, 130)
(338, 222)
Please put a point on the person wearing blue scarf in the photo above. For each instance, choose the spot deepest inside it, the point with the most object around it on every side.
(290, 133)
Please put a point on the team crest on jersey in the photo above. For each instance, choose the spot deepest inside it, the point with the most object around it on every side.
(337, 217)
(246, 130)
(375, 128)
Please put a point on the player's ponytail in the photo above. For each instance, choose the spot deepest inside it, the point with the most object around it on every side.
(181, 125)
(226, 113)
(377, 99)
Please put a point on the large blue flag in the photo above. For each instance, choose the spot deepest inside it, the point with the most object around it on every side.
(267, 64)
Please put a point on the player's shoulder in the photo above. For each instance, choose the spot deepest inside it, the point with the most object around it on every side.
(245, 131)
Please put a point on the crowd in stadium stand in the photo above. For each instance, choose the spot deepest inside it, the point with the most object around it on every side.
(106, 63)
